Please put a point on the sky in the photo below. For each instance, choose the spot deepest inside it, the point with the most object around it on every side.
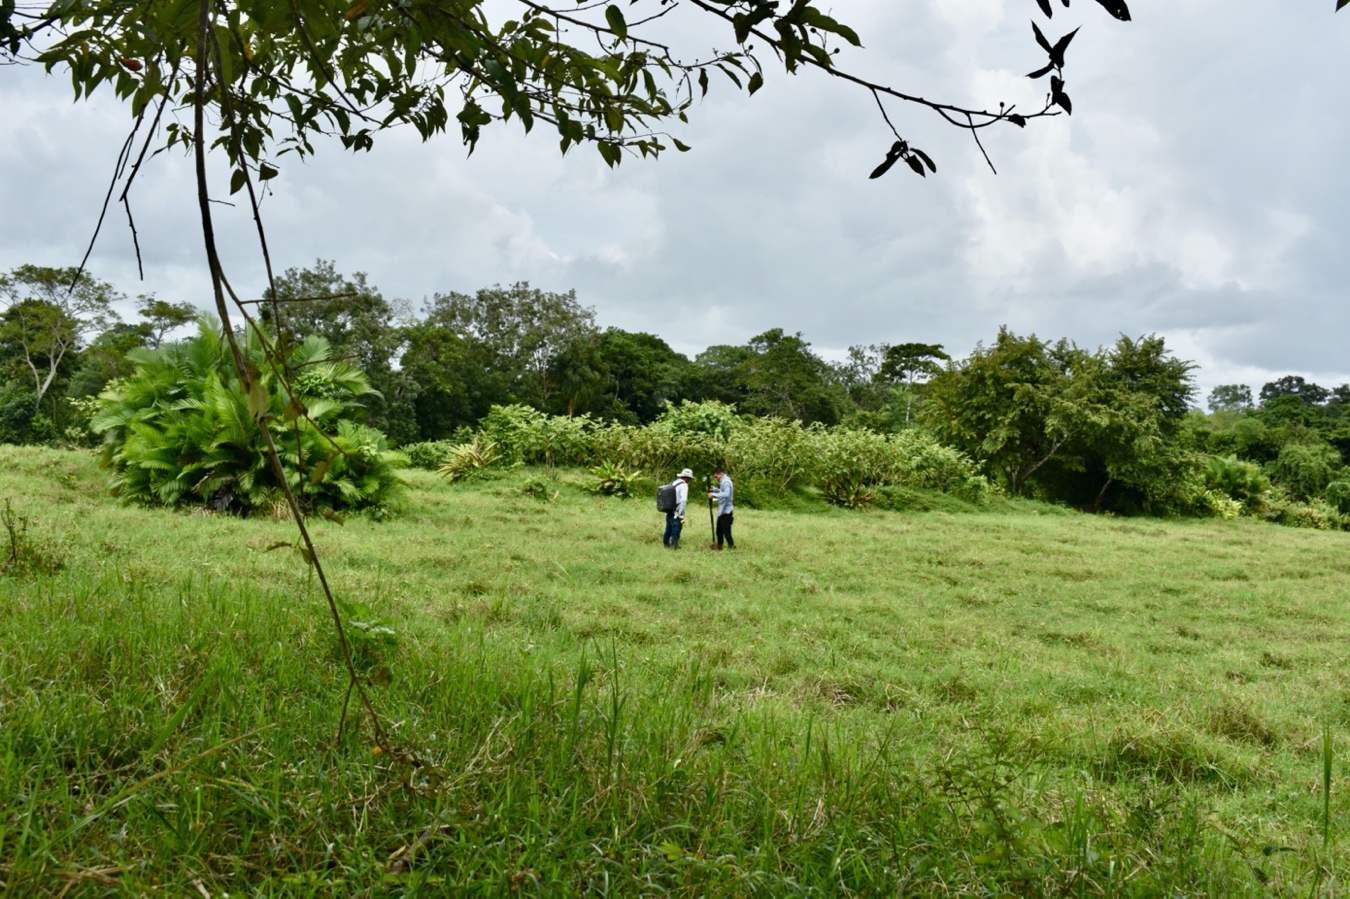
(1198, 192)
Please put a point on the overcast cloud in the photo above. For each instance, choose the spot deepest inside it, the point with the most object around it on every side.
(1198, 192)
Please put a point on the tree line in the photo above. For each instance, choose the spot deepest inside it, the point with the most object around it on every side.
(1107, 429)
(441, 372)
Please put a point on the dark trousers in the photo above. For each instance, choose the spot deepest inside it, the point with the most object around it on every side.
(671, 537)
(724, 529)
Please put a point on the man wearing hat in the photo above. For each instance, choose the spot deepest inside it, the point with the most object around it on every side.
(675, 520)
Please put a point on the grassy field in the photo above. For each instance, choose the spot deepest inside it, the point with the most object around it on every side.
(1017, 700)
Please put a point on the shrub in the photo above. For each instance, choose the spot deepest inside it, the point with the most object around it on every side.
(1316, 514)
(1238, 480)
(538, 489)
(1338, 494)
(777, 454)
(430, 454)
(527, 435)
(657, 451)
(852, 463)
(707, 419)
(614, 480)
(470, 460)
(180, 431)
(1306, 469)
(22, 422)
(927, 464)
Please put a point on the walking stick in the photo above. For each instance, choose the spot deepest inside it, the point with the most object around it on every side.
(712, 523)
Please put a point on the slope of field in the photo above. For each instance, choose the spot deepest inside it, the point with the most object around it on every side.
(1013, 700)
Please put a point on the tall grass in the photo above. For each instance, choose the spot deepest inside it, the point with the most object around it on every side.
(1015, 702)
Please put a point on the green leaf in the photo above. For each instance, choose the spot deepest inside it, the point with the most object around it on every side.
(257, 399)
(317, 473)
(614, 17)
(172, 724)
(237, 181)
(756, 82)
(267, 172)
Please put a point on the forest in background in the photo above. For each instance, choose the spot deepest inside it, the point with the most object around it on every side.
(1112, 429)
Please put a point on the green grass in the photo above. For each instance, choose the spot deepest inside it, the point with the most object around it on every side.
(1020, 700)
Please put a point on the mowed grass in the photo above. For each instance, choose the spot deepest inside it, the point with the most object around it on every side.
(1019, 700)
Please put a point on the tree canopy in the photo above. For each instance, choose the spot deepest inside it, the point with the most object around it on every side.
(45, 313)
(278, 76)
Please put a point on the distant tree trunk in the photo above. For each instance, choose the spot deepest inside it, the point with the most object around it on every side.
(1022, 477)
(1097, 503)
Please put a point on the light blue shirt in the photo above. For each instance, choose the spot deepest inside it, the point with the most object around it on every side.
(723, 493)
(681, 496)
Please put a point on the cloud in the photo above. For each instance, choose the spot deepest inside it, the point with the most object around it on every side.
(1197, 192)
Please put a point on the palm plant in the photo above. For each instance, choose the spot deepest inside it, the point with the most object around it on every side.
(180, 431)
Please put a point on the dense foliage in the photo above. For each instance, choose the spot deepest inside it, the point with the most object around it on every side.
(533, 374)
(1095, 429)
(770, 457)
(179, 431)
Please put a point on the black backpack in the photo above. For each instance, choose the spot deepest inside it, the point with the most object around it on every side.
(665, 498)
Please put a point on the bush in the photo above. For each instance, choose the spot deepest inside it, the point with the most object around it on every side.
(181, 431)
(707, 419)
(527, 435)
(430, 454)
(22, 422)
(1306, 469)
(614, 480)
(1316, 514)
(538, 489)
(850, 464)
(926, 464)
(1241, 481)
(1337, 494)
(470, 460)
(776, 454)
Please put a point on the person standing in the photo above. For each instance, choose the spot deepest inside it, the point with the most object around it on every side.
(675, 519)
(723, 493)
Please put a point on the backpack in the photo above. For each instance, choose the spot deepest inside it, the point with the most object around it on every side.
(665, 498)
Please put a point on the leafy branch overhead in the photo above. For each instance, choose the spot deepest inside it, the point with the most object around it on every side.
(280, 75)
(1055, 51)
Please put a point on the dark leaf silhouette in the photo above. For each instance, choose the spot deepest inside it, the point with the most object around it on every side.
(927, 161)
(1341, 3)
(1021, 122)
(1061, 45)
(1057, 95)
(1055, 51)
(1118, 8)
(1040, 38)
(901, 150)
(884, 167)
(1049, 10)
(1041, 73)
